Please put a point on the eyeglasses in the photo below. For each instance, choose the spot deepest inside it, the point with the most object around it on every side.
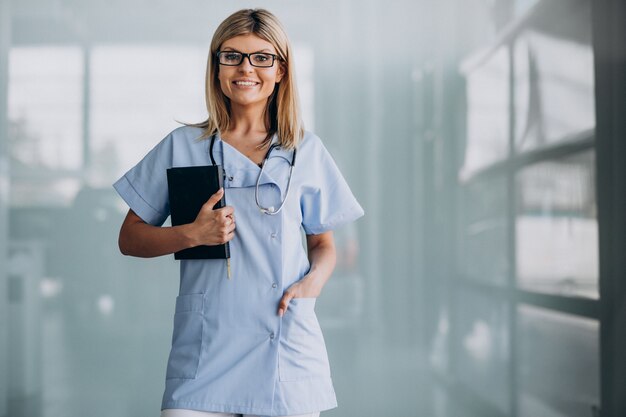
(257, 59)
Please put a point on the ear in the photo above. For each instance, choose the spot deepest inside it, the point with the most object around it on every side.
(281, 71)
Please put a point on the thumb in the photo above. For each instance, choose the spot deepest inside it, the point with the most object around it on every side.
(284, 303)
(215, 198)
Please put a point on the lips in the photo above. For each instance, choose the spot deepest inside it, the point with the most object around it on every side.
(245, 83)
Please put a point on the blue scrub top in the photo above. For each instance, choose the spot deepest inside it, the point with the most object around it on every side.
(231, 352)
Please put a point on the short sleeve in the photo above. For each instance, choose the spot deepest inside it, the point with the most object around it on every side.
(326, 200)
(144, 187)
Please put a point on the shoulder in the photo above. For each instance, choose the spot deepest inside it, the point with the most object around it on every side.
(186, 134)
(311, 144)
(314, 152)
(183, 137)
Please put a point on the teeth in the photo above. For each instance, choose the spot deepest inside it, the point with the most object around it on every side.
(247, 83)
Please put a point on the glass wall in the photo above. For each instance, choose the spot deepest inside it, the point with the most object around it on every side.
(464, 128)
(527, 219)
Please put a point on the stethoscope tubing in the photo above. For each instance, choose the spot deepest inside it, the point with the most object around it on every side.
(266, 210)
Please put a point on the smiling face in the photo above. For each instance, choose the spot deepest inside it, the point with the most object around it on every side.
(244, 84)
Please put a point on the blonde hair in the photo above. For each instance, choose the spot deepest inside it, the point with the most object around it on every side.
(282, 112)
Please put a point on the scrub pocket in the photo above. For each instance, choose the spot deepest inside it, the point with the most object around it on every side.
(187, 337)
(302, 353)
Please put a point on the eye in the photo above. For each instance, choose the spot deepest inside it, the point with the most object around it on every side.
(261, 58)
(231, 56)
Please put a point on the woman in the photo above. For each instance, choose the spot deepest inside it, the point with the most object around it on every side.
(249, 345)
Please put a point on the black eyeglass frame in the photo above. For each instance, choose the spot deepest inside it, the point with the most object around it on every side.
(244, 55)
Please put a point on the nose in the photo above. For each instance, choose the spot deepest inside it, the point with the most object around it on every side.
(246, 65)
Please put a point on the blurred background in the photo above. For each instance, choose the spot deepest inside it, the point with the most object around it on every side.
(484, 139)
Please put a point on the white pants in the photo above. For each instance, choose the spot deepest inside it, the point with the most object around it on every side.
(179, 412)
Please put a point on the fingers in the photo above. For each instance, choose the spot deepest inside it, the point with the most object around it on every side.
(227, 229)
(284, 303)
(215, 226)
(212, 202)
(226, 217)
(230, 226)
(226, 210)
(229, 220)
(215, 198)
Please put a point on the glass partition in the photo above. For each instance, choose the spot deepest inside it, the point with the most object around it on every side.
(488, 117)
(483, 238)
(45, 124)
(557, 227)
(558, 364)
(484, 347)
(554, 100)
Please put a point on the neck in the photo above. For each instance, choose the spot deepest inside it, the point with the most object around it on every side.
(247, 121)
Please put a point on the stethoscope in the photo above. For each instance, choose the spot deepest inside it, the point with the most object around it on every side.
(267, 210)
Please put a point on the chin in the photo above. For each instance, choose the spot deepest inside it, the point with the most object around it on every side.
(249, 102)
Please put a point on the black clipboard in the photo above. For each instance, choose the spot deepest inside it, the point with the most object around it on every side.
(189, 188)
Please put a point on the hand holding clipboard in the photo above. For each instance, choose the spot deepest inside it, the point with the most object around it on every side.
(190, 190)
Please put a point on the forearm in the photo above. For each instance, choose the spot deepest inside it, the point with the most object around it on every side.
(322, 258)
(147, 241)
(211, 227)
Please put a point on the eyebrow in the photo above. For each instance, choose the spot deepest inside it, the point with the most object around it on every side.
(255, 52)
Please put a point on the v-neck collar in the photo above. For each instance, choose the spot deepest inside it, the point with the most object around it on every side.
(241, 171)
(240, 154)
